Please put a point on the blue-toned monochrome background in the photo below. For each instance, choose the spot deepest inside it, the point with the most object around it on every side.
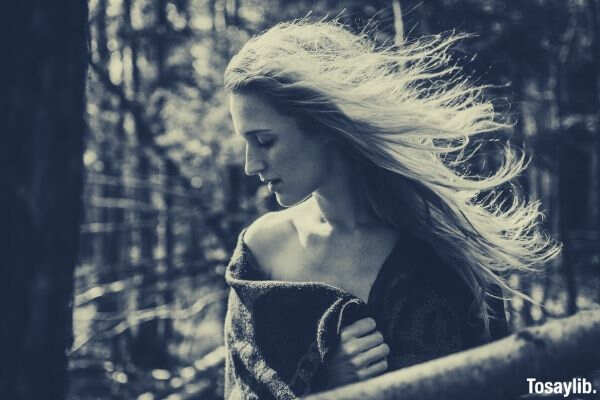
(165, 194)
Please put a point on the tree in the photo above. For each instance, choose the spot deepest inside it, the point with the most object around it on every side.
(41, 151)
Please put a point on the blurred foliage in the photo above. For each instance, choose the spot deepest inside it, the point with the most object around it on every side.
(166, 197)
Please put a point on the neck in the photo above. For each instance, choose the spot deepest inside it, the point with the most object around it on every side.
(339, 201)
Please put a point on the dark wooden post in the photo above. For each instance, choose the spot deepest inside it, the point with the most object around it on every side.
(41, 167)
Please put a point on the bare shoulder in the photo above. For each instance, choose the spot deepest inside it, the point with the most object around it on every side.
(268, 234)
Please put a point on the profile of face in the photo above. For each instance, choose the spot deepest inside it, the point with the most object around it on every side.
(293, 163)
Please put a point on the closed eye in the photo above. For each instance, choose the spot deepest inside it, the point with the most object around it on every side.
(265, 142)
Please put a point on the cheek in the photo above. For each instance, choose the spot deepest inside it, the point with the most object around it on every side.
(309, 163)
(286, 158)
(303, 161)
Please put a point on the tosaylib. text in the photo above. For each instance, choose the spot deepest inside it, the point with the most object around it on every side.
(574, 386)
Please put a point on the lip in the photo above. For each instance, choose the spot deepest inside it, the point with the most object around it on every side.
(273, 184)
(267, 180)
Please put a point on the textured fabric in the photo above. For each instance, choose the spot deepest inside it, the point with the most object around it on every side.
(279, 334)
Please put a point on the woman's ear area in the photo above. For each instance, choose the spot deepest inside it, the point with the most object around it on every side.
(325, 136)
(331, 144)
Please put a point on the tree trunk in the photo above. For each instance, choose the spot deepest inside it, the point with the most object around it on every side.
(564, 176)
(170, 237)
(41, 175)
(150, 334)
(556, 351)
(109, 250)
(133, 46)
(593, 7)
(147, 348)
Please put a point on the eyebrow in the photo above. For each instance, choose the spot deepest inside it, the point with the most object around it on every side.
(255, 132)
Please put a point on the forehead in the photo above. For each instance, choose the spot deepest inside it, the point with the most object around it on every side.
(250, 112)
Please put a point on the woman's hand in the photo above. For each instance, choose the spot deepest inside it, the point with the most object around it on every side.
(361, 354)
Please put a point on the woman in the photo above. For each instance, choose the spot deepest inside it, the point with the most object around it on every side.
(386, 253)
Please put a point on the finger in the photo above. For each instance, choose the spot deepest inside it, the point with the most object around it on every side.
(359, 345)
(358, 329)
(371, 356)
(373, 370)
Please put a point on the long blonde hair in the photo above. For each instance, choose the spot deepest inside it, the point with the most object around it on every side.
(406, 114)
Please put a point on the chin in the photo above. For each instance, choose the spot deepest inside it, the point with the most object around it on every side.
(289, 201)
(283, 201)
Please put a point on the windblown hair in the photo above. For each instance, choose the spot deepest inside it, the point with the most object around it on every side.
(406, 115)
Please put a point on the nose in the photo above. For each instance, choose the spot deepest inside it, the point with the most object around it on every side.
(254, 164)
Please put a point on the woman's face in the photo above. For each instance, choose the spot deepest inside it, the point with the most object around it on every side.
(293, 163)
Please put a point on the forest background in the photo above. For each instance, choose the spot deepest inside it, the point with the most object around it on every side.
(165, 195)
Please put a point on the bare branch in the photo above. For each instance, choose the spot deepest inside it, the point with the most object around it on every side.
(161, 312)
(136, 282)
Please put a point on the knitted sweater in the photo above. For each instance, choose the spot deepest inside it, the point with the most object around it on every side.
(279, 334)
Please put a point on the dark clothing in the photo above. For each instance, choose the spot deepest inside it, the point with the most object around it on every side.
(279, 334)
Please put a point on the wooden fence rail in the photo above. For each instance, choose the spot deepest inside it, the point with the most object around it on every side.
(555, 351)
